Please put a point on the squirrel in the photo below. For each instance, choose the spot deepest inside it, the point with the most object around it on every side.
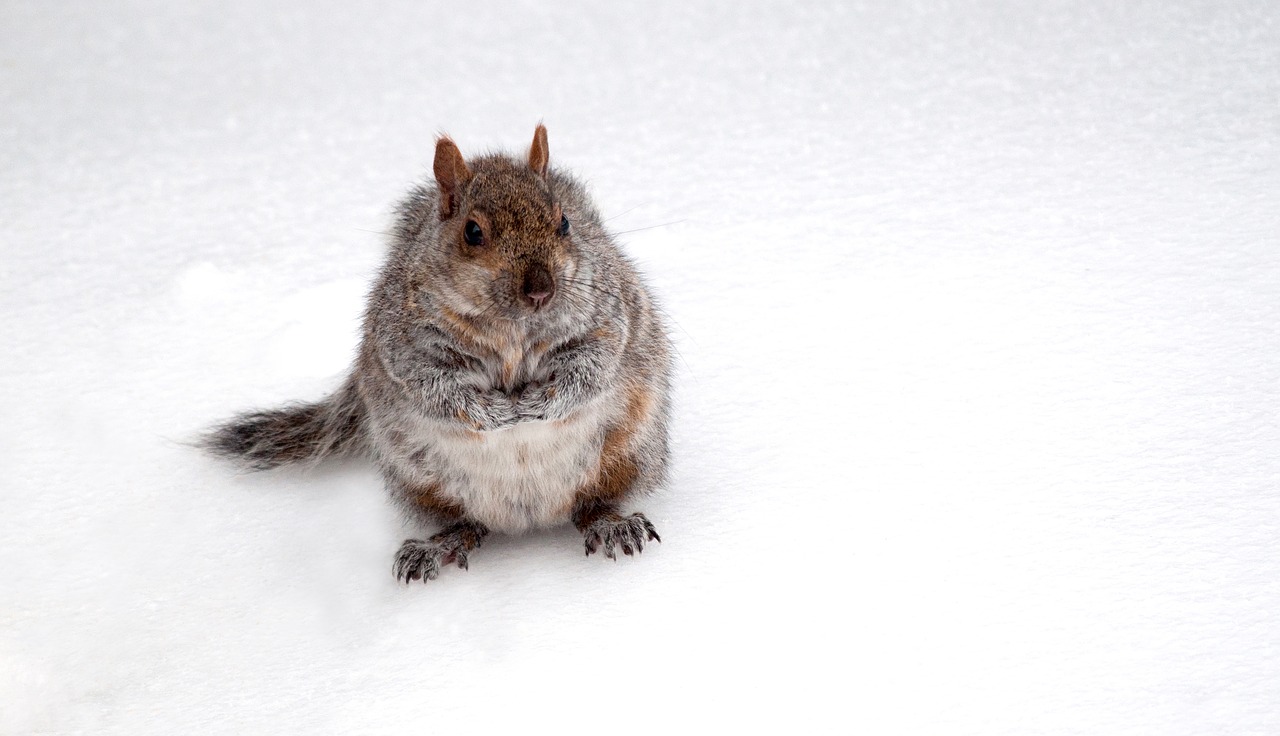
(514, 370)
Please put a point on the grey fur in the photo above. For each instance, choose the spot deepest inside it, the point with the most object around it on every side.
(479, 407)
(301, 432)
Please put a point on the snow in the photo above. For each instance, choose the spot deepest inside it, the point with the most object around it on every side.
(976, 307)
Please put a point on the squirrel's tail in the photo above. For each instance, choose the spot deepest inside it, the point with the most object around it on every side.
(295, 433)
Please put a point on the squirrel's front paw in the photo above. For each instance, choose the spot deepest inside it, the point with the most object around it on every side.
(628, 532)
(494, 411)
(418, 559)
(536, 402)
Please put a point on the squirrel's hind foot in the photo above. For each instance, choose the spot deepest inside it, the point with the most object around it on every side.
(626, 532)
(418, 559)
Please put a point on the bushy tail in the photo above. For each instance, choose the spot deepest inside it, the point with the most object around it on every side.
(295, 433)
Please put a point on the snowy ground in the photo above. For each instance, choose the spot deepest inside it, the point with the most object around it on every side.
(977, 307)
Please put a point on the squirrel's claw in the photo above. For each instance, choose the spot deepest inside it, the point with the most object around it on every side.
(419, 560)
(628, 533)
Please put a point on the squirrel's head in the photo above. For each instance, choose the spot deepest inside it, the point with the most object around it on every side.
(505, 245)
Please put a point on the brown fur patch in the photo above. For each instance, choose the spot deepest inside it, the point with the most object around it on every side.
(617, 471)
(468, 535)
(474, 335)
(428, 499)
(460, 326)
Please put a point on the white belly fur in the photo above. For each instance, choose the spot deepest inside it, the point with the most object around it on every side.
(517, 478)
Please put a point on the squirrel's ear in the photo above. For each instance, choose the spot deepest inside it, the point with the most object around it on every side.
(452, 175)
(538, 154)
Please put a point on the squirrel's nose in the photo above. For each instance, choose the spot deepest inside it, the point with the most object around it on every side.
(538, 286)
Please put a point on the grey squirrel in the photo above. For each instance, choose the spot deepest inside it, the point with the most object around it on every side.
(514, 371)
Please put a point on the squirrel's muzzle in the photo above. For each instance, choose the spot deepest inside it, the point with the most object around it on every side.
(538, 286)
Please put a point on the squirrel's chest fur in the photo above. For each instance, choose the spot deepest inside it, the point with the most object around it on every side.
(525, 475)
(511, 479)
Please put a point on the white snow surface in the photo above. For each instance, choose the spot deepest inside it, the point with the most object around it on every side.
(978, 315)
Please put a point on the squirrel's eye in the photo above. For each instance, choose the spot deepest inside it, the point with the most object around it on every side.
(564, 226)
(472, 233)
